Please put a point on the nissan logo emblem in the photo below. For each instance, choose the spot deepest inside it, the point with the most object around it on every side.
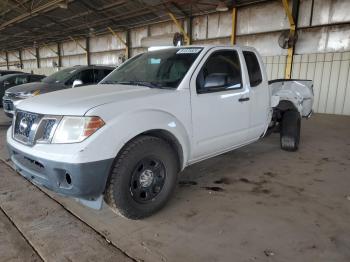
(23, 125)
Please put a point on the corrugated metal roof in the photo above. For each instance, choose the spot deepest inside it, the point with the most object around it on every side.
(26, 23)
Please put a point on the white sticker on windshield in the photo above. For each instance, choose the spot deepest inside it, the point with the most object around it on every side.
(189, 51)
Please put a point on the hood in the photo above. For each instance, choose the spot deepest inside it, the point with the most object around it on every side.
(77, 101)
(43, 87)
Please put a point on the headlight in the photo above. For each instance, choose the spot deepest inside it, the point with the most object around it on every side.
(28, 94)
(74, 129)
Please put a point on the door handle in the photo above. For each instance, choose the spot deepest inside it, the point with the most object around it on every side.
(243, 99)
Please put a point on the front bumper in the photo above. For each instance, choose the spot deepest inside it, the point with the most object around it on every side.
(85, 181)
(9, 105)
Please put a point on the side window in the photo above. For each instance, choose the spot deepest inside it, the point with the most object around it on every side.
(107, 72)
(35, 78)
(71, 80)
(87, 76)
(221, 72)
(75, 76)
(102, 73)
(12, 80)
(254, 71)
(21, 80)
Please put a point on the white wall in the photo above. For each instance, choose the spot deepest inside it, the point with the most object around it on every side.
(331, 76)
(330, 73)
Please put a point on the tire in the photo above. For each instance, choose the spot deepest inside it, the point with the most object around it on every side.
(138, 187)
(290, 131)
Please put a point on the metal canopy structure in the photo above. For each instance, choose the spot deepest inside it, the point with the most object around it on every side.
(30, 23)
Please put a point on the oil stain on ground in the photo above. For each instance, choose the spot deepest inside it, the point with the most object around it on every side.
(214, 188)
(270, 174)
(247, 181)
(224, 180)
(186, 183)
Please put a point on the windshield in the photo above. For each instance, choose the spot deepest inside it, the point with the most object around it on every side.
(157, 69)
(61, 76)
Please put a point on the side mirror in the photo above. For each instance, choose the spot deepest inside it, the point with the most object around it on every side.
(215, 80)
(77, 83)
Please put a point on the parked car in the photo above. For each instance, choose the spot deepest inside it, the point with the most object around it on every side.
(63, 79)
(6, 72)
(126, 139)
(10, 80)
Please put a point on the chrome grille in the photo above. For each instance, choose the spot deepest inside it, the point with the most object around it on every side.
(30, 128)
(25, 126)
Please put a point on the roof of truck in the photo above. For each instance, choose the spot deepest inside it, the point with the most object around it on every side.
(209, 46)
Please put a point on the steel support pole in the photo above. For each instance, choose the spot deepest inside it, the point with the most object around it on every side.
(59, 57)
(234, 25)
(87, 50)
(20, 58)
(37, 56)
(292, 18)
(7, 60)
(179, 26)
(125, 43)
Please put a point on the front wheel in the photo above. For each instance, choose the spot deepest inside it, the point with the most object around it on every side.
(290, 131)
(143, 178)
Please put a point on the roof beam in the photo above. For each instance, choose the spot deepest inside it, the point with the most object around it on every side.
(102, 21)
(44, 8)
(78, 44)
(51, 49)
(179, 26)
(183, 12)
(125, 43)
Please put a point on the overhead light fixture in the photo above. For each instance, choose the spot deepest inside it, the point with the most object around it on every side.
(63, 4)
(221, 7)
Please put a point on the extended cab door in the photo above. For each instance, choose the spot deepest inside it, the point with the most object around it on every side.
(220, 103)
(259, 95)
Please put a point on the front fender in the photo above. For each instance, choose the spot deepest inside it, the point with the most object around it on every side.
(121, 129)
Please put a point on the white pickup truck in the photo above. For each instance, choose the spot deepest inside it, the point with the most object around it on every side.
(126, 139)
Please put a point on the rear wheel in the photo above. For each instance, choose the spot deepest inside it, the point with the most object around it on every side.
(290, 131)
(143, 178)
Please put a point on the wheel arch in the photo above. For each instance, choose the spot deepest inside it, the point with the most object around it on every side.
(282, 107)
(171, 140)
(285, 105)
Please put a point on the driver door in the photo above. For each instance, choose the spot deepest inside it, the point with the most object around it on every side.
(220, 104)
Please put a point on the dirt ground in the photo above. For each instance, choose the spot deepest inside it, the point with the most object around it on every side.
(257, 203)
(13, 247)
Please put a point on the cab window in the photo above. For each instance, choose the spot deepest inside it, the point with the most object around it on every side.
(87, 76)
(253, 67)
(221, 72)
(35, 78)
(19, 80)
(101, 73)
